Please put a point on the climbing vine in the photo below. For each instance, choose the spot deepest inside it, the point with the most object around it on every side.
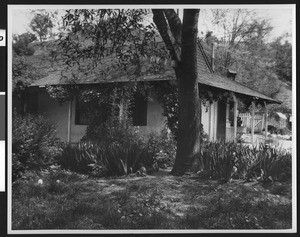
(93, 97)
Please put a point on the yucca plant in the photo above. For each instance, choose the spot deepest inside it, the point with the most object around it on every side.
(269, 164)
(122, 160)
(244, 158)
(217, 159)
(78, 157)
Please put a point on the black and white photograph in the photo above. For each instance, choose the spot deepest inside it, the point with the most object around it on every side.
(151, 119)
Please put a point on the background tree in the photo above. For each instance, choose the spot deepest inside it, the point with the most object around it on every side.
(243, 32)
(283, 59)
(21, 44)
(244, 47)
(42, 25)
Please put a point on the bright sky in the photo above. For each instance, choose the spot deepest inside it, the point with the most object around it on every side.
(281, 18)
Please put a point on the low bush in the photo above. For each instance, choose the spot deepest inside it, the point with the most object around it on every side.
(124, 150)
(163, 148)
(285, 131)
(113, 130)
(34, 143)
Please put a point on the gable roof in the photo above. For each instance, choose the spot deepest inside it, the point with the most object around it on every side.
(206, 76)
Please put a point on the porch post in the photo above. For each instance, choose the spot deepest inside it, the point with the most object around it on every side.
(227, 129)
(210, 123)
(266, 120)
(235, 105)
(69, 121)
(252, 122)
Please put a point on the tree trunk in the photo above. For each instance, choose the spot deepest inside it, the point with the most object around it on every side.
(189, 116)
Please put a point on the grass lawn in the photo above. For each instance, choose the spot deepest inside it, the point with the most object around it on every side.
(158, 201)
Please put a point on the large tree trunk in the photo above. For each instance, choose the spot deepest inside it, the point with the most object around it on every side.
(181, 41)
(189, 116)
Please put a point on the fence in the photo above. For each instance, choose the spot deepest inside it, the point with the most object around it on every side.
(259, 122)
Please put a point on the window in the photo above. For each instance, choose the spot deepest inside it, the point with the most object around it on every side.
(81, 114)
(139, 110)
(84, 113)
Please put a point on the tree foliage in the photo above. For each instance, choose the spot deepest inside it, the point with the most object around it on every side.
(42, 24)
(21, 44)
(244, 49)
(96, 36)
(23, 74)
(283, 59)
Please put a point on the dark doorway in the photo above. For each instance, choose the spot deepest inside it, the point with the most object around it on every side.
(221, 121)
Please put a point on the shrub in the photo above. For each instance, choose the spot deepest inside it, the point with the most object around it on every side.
(163, 148)
(285, 131)
(34, 143)
(21, 45)
(272, 129)
(113, 131)
(124, 150)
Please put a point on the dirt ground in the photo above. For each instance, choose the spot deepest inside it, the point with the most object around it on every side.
(180, 193)
(154, 201)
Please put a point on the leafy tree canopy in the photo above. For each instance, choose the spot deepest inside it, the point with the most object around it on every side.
(21, 44)
(41, 24)
(94, 35)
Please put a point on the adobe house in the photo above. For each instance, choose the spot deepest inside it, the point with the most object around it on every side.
(219, 118)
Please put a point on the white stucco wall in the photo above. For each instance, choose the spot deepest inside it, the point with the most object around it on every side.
(55, 112)
(205, 118)
(59, 113)
(155, 119)
(209, 120)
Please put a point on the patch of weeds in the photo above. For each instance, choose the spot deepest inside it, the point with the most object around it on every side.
(146, 213)
(140, 187)
(278, 190)
(192, 192)
(86, 222)
(122, 196)
(39, 213)
(224, 211)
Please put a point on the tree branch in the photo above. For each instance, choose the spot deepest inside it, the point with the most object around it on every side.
(162, 25)
(174, 23)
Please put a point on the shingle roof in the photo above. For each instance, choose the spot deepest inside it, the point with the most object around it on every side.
(215, 80)
(205, 76)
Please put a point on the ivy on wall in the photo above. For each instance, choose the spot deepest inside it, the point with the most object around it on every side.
(166, 92)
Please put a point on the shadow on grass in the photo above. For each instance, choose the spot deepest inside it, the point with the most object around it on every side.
(146, 203)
